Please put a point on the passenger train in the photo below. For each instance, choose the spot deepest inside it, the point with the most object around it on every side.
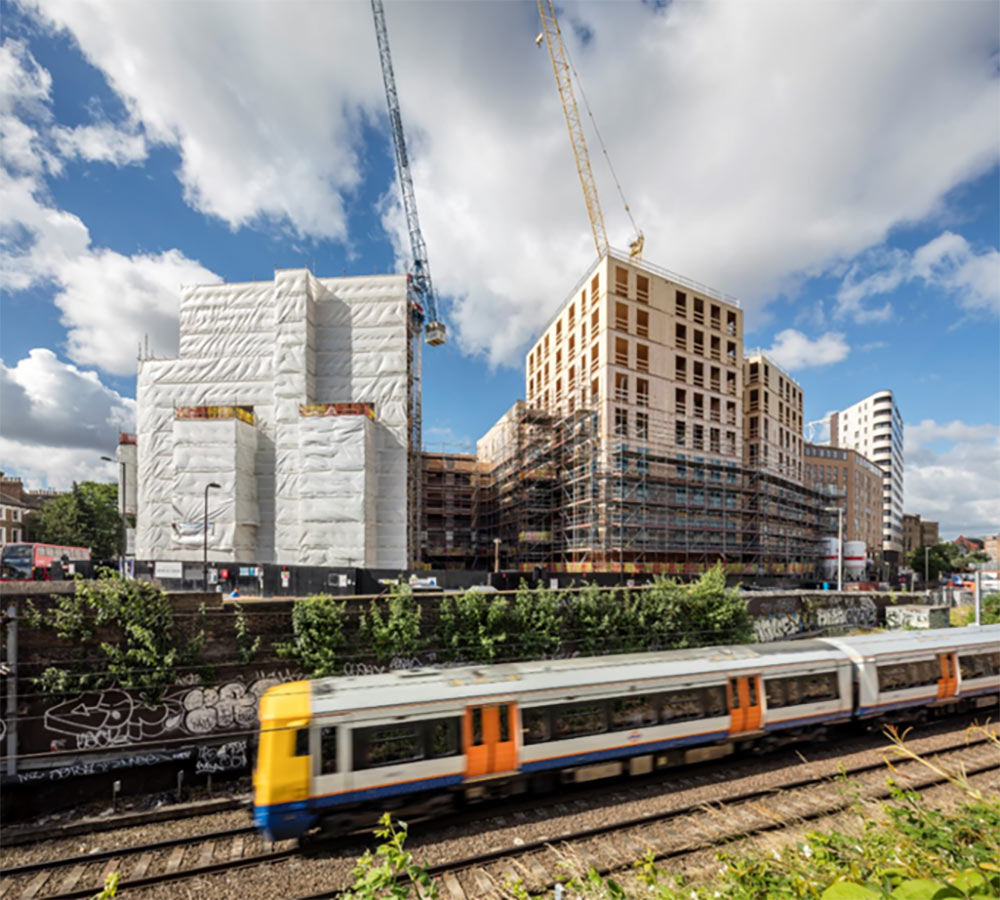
(333, 751)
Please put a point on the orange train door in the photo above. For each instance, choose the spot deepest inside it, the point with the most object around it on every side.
(744, 703)
(488, 736)
(948, 682)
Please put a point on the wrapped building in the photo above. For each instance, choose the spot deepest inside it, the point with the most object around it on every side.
(299, 398)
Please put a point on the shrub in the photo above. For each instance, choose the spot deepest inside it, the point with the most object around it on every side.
(317, 635)
(391, 627)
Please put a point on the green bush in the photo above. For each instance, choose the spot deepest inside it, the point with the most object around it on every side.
(148, 653)
(990, 609)
(535, 623)
(317, 635)
(472, 627)
(391, 627)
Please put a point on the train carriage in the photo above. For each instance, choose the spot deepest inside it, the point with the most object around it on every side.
(898, 671)
(332, 746)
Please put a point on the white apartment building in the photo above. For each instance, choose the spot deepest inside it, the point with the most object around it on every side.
(874, 428)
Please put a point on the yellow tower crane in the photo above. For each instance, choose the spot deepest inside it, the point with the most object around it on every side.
(564, 81)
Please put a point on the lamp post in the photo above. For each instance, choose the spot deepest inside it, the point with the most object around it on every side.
(840, 543)
(204, 566)
(496, 554)
(124, 549)
(927, 576)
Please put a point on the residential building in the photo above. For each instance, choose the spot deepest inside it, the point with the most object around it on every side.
(453, 494)
(287, 427)
(969, 544)
(912, 535)
(992, 547)
(772, 418)
(628, 453)
(873, 427)
(852, 483)
(16, 505)
(929, 533)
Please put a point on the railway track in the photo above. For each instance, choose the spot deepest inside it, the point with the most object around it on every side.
(176, 859)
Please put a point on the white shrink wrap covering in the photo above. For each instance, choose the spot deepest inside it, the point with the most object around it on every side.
(296, 489)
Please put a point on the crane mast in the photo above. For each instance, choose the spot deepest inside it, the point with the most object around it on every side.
(564, 81)
(421, 287)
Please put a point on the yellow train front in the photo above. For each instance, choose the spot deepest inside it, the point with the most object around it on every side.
(336, 752)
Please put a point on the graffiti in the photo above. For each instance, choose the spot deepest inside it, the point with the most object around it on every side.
(230, 706)
(226, 757)
(830, 617)
(779, 605)
(860, 612)
(396, 664)
(111, 718)
(101, 767)
(114, 718)
(777, 626)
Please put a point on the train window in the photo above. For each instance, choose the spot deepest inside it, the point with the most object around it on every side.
(579, 719)
(752, 686)
(328, 749)
(442, 738)
(302, 742)
(504, 723)
(383, 745)
(477, 727)
(715, 702)
(901, 676)
(979, 665)
(680, 705)
(800, 689)
(632, 712)
(535, 725)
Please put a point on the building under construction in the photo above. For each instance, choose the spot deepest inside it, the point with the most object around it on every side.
(631, 453)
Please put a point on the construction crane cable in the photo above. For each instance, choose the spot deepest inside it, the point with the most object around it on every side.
(600, 139)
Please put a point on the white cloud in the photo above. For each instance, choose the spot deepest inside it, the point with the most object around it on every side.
(102, 143)
(952, 475)
(759, 143)
(948, 262)
(109, 301)
(793, 350)
(58, 420)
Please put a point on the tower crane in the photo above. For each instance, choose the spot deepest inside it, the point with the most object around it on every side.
(420, 286)
(563, 71)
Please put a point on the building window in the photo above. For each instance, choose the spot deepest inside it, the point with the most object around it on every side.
(642, 426)
(642, 323)
(699, 311)
(714, 439)
(680, 368)
(595, 284)
(715, 374)
(572, 314)
(642, 288)
(621, 422)
(621, 352)
(731, 323)
(593, 357)
(642, 357)
(621, 388)
(621, 281)
(679, 436)
(716, 348)
(559, 329)
(730, 382)
(621, 317)
(698, 374)
(699, 342)
(680, 402)
(680, 336)
(698, 437)
(699, 405)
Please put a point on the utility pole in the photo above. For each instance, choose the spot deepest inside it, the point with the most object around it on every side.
(204, 566)
(12, 688)
(927, 576)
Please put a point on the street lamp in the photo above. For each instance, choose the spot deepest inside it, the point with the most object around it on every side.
(840, 543)
(927, 576)
(496, 554)
(204, 566)
(124, 550)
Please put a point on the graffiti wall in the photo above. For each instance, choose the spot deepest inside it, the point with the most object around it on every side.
(782, 617)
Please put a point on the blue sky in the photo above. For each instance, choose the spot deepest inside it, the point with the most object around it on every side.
(834, 166)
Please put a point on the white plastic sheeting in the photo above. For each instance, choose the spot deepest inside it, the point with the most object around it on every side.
(328, 490)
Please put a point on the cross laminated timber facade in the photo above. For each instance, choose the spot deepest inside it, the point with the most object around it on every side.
(298, 397)
(646, 443)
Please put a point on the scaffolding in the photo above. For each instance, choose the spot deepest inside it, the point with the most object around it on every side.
(454, 501)
(571, 498)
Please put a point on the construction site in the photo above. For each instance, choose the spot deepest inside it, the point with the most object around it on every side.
(288, 429)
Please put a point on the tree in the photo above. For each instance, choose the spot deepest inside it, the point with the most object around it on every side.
(940, 558)
(86, 516)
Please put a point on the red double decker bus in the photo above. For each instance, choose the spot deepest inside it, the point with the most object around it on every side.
(33, 562)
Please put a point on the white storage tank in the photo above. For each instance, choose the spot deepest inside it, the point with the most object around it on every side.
(828, 559)
(854, 560)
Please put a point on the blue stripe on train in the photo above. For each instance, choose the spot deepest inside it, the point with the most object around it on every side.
(387, 790)
(618, 752)
(282, 821)
(843, 715)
